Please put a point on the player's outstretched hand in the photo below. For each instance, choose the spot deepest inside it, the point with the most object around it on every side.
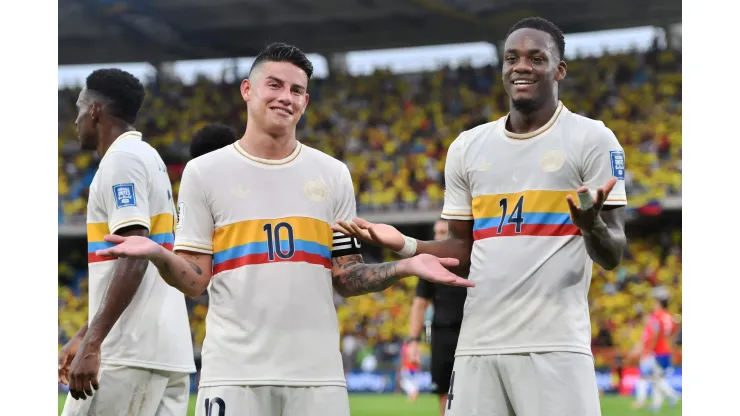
(378, 234)
(66, 355)
(83, 373)
(433, 269)
(585, 214)
(133, 246)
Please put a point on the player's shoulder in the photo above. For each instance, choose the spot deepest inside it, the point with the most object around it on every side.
(323, 160)
(593, 131)
(212, 159)
(476, 135)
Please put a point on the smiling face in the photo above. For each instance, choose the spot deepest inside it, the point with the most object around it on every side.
(276, 96)
(532, 68)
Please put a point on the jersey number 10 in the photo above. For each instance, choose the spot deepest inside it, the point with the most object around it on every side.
(274, 245)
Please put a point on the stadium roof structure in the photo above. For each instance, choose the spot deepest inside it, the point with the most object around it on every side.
(107, 31)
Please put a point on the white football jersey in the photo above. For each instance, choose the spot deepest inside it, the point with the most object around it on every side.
(271, 317)
(132, 187)
(529, 261)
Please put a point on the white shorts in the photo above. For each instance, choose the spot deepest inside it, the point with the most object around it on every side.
(532, 384)
(132, 391)
(272, 401)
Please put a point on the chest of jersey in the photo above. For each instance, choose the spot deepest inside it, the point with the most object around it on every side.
(249, 193)
(498, 165)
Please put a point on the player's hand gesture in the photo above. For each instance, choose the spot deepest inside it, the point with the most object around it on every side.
(133, 246)
(66, 355)
(433, 269)
(83, 374)
(585, 215)
(378, 234)
(413, 354)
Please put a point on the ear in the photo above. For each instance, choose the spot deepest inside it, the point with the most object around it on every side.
(305, 105)
(562, 70)
(246, 90)
(95, 111)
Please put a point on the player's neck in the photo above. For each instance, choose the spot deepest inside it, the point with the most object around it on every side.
(265, 146)
(110, 134)
(522, 123)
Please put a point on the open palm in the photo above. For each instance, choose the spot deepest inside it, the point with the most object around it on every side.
(378, 234)
(133, 246)
(434, 269)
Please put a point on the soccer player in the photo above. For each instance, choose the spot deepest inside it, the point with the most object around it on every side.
(448, 304)
(511, 192)
(654, 351)
(211, 137)
(261, 210)
(136, 350)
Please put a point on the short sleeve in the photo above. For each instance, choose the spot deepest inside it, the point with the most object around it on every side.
(425, 289)
(124, 191)
(604, 159)
(345, 209)
(458, 198)
(195, 223)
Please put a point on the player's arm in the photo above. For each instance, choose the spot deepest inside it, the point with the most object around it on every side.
(457, 245)
(124, 185)
(457, 210)
(424, 293)
(127, 276)
(350, 275)
(189, 267)
(187, 271)
(605, 238)
(606, 242)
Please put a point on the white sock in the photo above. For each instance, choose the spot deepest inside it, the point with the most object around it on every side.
(641, 390)
(668, 390)
(408, 386)
(657, 394)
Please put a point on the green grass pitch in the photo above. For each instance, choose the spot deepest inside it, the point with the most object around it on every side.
(426, 405)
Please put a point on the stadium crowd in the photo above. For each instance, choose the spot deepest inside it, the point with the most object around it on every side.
(393, 132)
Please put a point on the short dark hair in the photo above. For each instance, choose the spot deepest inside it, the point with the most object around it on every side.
(543, 25)
(211, 137)
(663, 303)
(282, 52)
(124, 92)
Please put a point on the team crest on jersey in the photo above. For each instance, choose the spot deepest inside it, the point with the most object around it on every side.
(617, 159)
(315, 191)
(552, 161)
(180, 215)
(125, 195)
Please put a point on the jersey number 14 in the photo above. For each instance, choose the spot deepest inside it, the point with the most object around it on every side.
(514, 218)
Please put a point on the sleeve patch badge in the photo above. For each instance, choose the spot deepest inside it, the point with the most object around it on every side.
(125, 195)
(617, 160)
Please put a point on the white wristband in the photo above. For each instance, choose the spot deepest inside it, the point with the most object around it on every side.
(585, 200)
(409, 247)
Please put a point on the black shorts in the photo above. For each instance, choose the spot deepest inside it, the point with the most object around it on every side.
(444, 343)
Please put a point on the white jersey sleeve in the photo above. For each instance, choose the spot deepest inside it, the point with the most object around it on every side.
(345, 210)
(124, 185)
(195, 223)
(458, 198)
(604, 159)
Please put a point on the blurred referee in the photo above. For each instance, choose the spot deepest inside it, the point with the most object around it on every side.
(448, 302)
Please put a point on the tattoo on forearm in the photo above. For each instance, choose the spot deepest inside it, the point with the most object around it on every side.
(357, 278)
